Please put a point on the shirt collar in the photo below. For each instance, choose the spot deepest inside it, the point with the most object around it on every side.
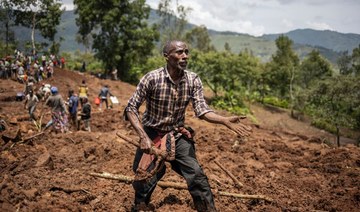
(167, 75)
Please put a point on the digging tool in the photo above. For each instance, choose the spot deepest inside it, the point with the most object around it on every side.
(153, 150)
(31, 137)
(237, 183)
(180, 186)
(159, 161)
(25, 140)
(127, 139)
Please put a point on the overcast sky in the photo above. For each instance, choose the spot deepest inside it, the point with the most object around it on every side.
(258, 17)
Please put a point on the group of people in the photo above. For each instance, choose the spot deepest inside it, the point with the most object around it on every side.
(76, 100)
(75, 108)
(22, 66)
(72, 111)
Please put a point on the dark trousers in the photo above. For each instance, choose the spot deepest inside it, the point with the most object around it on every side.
(106, 102)
(31, 111)
(186, 165)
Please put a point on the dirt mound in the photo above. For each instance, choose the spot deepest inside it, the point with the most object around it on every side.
(285, 160)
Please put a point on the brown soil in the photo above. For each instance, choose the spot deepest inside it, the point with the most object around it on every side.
(284, 159)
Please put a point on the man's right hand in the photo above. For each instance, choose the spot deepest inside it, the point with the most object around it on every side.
(145, 144)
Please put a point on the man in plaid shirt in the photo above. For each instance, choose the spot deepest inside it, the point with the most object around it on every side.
(167, 92)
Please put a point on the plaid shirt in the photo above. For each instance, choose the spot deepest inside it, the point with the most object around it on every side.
(166, 102)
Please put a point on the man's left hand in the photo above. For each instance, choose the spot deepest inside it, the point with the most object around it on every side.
(234, 124)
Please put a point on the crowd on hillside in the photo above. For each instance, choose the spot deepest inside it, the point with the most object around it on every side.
(20, 66)
(31, 70)
(65, 112)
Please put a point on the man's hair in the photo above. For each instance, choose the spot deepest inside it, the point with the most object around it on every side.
(168, 45)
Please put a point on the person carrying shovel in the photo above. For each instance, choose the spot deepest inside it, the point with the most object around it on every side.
(167, 91)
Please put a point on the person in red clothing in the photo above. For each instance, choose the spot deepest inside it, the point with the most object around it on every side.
(62, 60)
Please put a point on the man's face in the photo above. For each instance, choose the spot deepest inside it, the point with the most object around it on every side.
(178, 55)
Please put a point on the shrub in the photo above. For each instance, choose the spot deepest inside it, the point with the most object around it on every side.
(322, 124)
(276, 102)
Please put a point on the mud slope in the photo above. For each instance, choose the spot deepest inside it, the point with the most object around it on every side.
(283, 159)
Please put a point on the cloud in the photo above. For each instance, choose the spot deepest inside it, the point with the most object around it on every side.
(67, 6)
(226, 15)
(256, 17)
(319, 26)
(287, 23)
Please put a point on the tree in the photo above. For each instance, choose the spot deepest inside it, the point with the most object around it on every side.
(226, 73)
(350, 64)
(283, 65)
(344, 64)
(211, 67)
(337, 101)
(314, 68)
(227, 47)
(121, 37)
(173, 22)
(7, 17)
(49, 22)
(283, 68)
(355, 57)
(86, 41)
(198, 38)
(42, 15)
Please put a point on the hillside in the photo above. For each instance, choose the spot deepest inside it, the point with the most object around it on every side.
(336, 41)
(289, 162)
(329, 43)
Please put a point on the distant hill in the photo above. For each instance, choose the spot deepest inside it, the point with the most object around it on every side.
(264, 48)
(329, 43)
(68, 30)
(328, 39)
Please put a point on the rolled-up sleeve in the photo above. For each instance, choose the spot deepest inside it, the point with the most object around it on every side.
(199, 104)
(137, 98)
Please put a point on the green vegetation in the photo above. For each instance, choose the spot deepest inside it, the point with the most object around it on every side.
(42, 15)
(272, 100)
(121, 37)
(335, 103)
(238, 69)
(76, 60)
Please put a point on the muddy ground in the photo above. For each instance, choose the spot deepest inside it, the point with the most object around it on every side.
(290, 162)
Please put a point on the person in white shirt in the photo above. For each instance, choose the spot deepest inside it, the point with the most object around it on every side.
(30, 103)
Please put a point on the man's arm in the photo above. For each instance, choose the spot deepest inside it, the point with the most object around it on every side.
(131, 112)
(145, 142)
(26, 100)
(232, 122)
(63, 106)
(110, 93)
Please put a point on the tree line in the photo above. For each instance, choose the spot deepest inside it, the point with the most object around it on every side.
(120, 37)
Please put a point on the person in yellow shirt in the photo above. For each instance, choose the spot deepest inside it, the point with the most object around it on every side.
(83, 92)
